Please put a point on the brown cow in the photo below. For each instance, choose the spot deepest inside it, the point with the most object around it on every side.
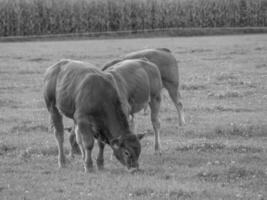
(88, 96)
(139, 84)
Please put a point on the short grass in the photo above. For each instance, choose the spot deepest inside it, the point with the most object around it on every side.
(220, 154)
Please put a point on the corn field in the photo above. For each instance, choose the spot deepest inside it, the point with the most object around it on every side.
(36, 17)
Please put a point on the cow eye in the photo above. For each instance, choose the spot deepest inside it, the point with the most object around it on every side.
(126, 153)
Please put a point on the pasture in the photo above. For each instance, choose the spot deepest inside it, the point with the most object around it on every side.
(221, 153)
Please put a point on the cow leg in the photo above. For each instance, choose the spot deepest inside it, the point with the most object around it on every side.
(100, 157)
(131, 123)
(72, 141)
(74, 147)
(85, 139)
(79, 142)
(56, 121)
(154, 107)
(176, 98)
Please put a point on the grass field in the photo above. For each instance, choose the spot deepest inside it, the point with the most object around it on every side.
(220, 154)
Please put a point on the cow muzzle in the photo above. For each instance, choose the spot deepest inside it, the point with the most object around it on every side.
(133, 167)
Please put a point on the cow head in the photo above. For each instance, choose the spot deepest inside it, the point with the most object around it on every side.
(127, 149)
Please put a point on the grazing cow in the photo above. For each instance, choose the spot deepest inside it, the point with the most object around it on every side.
(169, 71)
(88, 96)
(139, 84)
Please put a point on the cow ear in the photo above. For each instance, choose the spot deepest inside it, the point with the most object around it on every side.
(69, 129)
(140, 136)
(115, 143)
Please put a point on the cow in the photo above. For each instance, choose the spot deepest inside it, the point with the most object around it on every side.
(169, 71)
(81, 92)
(138, 82)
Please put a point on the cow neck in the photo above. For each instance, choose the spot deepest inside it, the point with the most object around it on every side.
(118, 126)
(120, 86)
(117, 132)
